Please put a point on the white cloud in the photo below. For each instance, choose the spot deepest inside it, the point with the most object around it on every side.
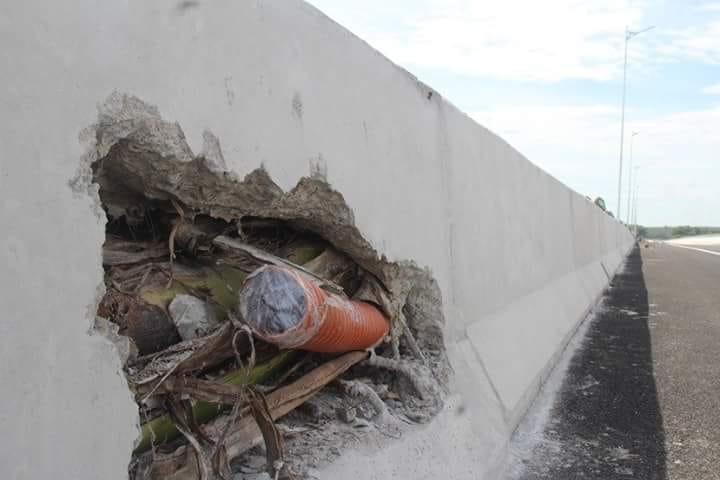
(512, 39)
(712, 89)
(579, 145)
(554, 124)
(676, 153)
(527, 40)
(709, 7)
(699, 43)
(549, 41)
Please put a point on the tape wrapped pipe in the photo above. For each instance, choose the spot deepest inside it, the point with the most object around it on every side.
(288, 309)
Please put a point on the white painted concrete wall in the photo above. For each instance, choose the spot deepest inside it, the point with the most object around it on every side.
(516, 253)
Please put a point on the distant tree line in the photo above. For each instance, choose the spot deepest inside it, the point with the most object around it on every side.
(661, 233)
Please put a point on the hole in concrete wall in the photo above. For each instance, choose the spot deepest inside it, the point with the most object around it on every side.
(216, 394)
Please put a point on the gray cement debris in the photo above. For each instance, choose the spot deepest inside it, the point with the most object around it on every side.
(192, 316)
(126, 348)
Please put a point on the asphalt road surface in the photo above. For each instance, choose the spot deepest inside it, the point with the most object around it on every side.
(640, 398)
(702, 248)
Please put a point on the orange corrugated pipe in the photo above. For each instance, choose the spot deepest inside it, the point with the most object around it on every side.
(288, 309)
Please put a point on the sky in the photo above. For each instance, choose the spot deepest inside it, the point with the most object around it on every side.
(547, 77)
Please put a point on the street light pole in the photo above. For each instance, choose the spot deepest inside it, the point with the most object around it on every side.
(628, 35)
(635, 208)
(635, 199)
(630, 179)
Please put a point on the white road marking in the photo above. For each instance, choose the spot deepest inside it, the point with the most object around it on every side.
(698, 249)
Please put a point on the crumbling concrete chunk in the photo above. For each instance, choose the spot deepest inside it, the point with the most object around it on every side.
(212, 153)
(346, 414)
(252, 476)
(192, 317)
(126, 348)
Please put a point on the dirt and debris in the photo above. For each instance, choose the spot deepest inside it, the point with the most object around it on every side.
(216, 398)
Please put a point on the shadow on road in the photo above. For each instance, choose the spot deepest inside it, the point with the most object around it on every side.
(606, 421)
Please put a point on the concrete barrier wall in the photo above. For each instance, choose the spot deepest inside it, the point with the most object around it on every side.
(519, 257)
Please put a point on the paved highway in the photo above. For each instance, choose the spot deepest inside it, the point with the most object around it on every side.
(640, 397)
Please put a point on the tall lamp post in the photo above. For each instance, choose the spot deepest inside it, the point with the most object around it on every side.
(635, 200)
(635, 207)
(630, 179)
(628, 35)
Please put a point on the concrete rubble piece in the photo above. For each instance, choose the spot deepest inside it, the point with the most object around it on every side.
(192, 316)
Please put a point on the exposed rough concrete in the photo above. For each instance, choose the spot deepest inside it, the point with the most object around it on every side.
(141, 158)
(516, 256)
(143, 165)
(125, 347)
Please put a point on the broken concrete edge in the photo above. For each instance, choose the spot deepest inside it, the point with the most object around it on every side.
(83, 186)
(131, 151)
